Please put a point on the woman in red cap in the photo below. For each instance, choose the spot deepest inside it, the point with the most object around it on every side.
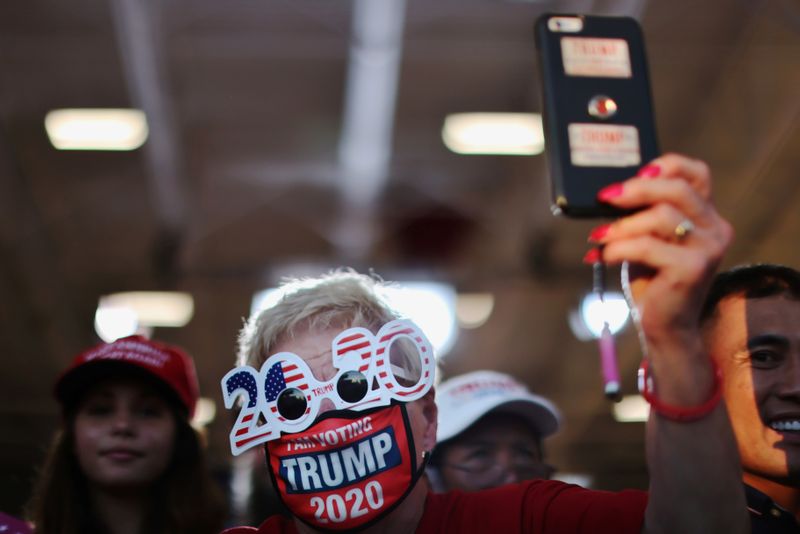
(126, 460)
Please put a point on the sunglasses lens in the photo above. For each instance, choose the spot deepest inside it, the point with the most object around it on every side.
(406, 362)
(292, 403)
(352, 386)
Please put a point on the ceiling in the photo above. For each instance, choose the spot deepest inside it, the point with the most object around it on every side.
(257, 166)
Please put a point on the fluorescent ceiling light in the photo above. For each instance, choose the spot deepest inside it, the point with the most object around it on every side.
(204, 412)
(96, 129)
(113, 323)
(494, 133)
(587, 322)
(430, 305)
(153, 308)
(613, 309)
(474, 309)
(631, 409)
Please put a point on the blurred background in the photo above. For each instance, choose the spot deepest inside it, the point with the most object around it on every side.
(289, 137)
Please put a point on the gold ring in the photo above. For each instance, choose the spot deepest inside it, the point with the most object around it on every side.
(683, 230)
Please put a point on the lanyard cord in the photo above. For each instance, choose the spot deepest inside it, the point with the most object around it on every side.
(608, 353)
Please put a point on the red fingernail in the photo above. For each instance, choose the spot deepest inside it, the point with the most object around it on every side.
(599, 232)
(593, 256)
(609, 192)
(649, 171)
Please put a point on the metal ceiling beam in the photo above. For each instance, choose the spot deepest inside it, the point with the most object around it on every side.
(141, 49)
(366, 141)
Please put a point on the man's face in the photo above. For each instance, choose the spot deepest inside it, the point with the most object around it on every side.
(756, 343)
(314, 347)
(498, 449)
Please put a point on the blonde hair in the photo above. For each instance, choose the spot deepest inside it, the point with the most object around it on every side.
(341, 298)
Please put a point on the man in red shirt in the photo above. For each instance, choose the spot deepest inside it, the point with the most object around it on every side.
(339, 391)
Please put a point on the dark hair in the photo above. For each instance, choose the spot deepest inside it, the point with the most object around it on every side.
(752, 281)
(184, 500)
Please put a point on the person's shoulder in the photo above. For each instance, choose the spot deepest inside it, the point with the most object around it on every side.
(274, 525)
(766, 516)
(536, 506)
(493, 506)
(12, 525)
(505, 491)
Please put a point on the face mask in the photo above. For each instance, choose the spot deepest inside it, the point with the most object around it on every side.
(348, 470)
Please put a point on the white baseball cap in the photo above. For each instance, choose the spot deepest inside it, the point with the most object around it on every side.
(464, 399)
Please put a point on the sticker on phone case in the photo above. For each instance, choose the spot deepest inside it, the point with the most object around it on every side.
(596, 57)
(604, 145)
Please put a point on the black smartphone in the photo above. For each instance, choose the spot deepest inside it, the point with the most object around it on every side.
(597, 109)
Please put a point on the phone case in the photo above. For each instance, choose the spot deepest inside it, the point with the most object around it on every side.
(598, 117)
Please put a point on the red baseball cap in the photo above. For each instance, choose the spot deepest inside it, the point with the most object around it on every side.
(168, 364)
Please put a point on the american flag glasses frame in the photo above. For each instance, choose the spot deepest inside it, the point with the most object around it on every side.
(286, 397)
